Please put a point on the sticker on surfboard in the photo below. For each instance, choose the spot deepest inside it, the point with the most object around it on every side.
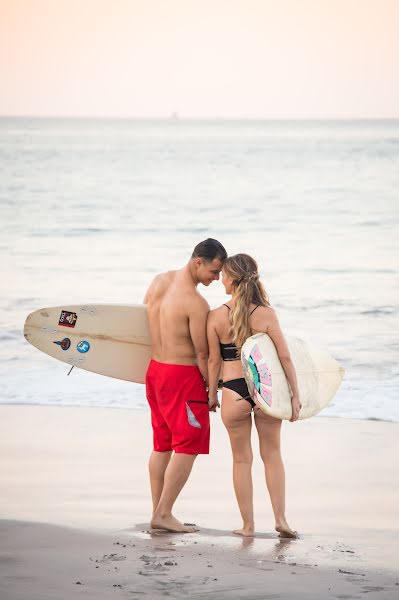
(83, 347)
(65, 344)
(67, 319)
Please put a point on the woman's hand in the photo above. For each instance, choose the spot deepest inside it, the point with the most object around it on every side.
(213, 402)
(296, 407)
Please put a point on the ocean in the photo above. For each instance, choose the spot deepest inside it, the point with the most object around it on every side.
(92, 209)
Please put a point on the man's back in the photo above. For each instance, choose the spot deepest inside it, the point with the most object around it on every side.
(175, 312)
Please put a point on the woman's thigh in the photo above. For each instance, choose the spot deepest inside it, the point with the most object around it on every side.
(269, 430)
(236, 416)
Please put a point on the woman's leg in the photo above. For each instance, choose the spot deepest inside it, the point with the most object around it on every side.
(236, 416)
(269, 430)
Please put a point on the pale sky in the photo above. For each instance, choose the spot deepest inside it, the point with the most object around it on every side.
(200, 58)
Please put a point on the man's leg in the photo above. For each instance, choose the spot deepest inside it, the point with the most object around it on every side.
(157, 466)
(162, 436)
(176, 475)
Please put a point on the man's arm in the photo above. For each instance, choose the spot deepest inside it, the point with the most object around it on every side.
(214, 362)
(197, 324)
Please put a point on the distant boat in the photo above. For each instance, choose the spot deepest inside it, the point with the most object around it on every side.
(175, 116)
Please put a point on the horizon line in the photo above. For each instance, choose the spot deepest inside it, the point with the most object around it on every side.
(178, 118)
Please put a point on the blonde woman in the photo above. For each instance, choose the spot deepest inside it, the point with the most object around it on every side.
(246, 313)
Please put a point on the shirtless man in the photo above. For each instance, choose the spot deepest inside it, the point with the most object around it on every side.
(177, 377)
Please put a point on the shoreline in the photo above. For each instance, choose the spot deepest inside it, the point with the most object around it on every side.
(143, 408)
(75, 487)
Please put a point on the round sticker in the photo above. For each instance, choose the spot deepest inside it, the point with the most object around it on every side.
(83, 346)
(65, 343)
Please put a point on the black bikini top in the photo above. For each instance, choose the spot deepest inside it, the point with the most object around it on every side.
(230, 351)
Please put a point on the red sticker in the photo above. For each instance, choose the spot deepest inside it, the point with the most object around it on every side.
(68, 319)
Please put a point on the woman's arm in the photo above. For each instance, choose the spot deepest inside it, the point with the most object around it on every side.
(275, 333)
(214, 362)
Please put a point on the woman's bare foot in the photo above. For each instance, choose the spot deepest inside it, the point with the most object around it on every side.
(246, 530)
(285, 530)
(170, 523)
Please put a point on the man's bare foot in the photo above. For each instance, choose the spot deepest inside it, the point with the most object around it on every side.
(285, 531)
(245, 531)
(170, 523)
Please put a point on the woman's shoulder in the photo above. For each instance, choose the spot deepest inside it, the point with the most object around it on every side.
(261, 307)
(264, 312)
(217, 313)
(223, 308)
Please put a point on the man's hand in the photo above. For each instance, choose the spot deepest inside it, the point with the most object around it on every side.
(296, 407)
(213, 403)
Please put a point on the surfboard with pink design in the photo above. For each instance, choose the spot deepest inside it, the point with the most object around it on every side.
(319, 376)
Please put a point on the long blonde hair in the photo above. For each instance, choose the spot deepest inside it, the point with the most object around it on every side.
(243, 270)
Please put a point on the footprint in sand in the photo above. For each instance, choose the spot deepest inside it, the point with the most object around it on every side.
(107, 558)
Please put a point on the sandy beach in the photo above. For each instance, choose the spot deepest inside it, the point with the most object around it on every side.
(75, 504)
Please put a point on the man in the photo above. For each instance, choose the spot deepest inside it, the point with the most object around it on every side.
(177, 377)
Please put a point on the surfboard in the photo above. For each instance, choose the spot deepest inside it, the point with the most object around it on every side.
(318, 374)
(112, 340)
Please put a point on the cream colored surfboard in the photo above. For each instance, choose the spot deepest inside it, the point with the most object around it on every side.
(319, 376)
(112, 340)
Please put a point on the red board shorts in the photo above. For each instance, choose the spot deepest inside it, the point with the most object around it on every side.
(179, 408)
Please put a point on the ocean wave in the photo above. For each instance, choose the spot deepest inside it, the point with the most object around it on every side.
(358, 418)
(9, 358)
(73, 232)
(350, 307)
(381, 419)
(370, 223)
(351, 270)
(13, 334)
(18, 302)
(380, 310)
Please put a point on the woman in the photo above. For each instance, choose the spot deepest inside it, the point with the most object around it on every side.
(248, 312)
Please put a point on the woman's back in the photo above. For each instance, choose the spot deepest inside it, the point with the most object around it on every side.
(232, 367)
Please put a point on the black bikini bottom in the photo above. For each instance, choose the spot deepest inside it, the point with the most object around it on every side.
(239, 386)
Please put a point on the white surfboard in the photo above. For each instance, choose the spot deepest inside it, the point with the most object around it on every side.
(112, 340)
(319, 376)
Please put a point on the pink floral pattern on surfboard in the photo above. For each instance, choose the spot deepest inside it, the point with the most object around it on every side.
(258, 376)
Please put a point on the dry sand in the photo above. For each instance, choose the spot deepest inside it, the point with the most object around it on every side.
(75, 505)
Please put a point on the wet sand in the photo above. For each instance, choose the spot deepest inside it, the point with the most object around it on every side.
(75, 508)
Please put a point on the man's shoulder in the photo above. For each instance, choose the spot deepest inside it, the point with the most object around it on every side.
(163, 278)
(196, 302)
(158, 286)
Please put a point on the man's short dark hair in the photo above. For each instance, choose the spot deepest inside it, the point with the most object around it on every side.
(209, 250)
